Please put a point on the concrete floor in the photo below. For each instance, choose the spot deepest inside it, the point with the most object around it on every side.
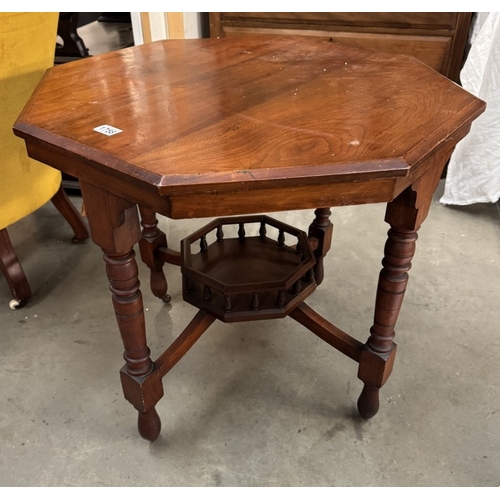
(264, 403)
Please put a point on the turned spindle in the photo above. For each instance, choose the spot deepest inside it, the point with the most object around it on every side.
(207, 294)
(188, 284)
(203, 244)
(310, 275)
(281, 238)
(241, 231)
(255, 302)
(281, 298)
(298, 250)
(263, 229)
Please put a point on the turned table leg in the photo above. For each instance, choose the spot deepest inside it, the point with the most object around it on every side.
(377, 360)
(122, 273)
(405, 215)
(114, 225)
(152, 239)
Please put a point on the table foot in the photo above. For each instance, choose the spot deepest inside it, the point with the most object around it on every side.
(368, 402)
(158, 284)
(149, 425)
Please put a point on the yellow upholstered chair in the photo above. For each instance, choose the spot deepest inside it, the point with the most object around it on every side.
(27, 46)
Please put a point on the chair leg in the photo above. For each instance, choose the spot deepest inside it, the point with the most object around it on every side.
(11, 268)
(70, 213)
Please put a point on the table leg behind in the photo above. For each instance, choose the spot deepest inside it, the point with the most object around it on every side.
(152, 239)
(321, 229)
(114, 224)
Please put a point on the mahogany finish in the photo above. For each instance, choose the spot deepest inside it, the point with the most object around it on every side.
(242, 126)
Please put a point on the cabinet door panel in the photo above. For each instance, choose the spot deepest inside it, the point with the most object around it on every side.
(416, 20)
(432, 50)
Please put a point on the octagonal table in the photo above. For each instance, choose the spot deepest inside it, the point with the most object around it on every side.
(202, 128)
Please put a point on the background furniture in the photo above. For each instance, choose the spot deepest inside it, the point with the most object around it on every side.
(26, 184)
(436, 38)
(474, 170)
(73, 46)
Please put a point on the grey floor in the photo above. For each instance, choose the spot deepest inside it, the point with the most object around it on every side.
(264, 403)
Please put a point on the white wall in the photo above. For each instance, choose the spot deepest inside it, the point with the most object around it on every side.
(151, 26)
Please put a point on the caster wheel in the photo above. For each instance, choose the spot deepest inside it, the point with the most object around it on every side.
(15, 304)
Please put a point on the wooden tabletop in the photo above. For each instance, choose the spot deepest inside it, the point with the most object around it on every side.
(208, 113)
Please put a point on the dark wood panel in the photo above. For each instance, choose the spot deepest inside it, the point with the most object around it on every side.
(434, 20)
(432, 50)
(439, 38)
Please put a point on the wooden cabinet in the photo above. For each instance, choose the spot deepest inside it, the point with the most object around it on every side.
(436, 38)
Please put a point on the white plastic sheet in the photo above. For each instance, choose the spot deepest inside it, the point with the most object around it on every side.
(473, 174)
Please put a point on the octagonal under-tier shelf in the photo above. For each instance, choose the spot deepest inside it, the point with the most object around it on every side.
(247, 277)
